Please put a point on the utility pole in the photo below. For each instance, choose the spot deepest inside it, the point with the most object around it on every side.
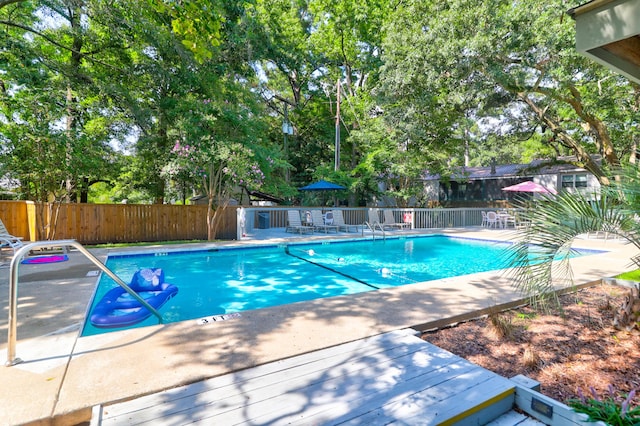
(337, 156)
(287, 129)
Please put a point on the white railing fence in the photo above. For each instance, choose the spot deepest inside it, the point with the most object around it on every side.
(276, 217)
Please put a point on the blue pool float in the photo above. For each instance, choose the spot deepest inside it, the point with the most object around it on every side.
(117, 308)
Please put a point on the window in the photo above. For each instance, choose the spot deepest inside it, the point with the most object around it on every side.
(574, 181)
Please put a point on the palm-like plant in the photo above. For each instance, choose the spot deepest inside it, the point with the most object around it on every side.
(540, 258)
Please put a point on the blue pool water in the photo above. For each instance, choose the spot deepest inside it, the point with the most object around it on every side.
(223, 281)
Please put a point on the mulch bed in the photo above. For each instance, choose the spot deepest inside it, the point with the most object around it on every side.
(576, 348)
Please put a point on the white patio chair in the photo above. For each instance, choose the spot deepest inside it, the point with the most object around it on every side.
(390, 221)
(338, 220)
(319, 223)
(295, 223)
(492, 220)
(484, 219)
(508, 220)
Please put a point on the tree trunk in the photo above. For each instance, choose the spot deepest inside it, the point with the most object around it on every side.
(75, 63)
(211, 219)
(69, 131)
(216, 194)
(566, 139)
(84, 191)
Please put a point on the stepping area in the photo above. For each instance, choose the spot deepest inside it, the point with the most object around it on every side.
(392, 377)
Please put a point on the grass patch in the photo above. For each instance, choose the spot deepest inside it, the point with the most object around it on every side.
(526, 316)
(630, 276)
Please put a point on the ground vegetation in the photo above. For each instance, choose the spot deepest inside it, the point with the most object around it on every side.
(569, 350)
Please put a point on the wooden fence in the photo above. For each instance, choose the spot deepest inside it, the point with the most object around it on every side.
(128, 223)
(19, 217)
(113, 223)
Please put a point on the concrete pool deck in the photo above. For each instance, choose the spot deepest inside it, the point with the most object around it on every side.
(64, 376)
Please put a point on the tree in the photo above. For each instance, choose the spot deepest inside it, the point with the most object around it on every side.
(309, 52)
(211, 148)
(513, 61)
(170, 77)
(198, 23)
(290, 66)
(53, 125)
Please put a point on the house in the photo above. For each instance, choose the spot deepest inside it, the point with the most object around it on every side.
(484, 184)
(608, 31)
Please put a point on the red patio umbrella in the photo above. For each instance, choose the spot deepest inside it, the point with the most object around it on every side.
(530, 186)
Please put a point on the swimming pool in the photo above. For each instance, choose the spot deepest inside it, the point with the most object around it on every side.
(229, 280)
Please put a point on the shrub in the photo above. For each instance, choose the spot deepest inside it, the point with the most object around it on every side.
(501, 325)
(613, 409)
(530, 358)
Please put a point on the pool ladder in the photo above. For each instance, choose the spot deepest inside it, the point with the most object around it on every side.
(13, 288)
(372, 227)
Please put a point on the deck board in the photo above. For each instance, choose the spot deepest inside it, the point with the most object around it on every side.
(219, 388)
(392, 376)
(319, 400)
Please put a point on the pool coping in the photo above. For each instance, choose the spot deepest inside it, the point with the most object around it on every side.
(71, 374)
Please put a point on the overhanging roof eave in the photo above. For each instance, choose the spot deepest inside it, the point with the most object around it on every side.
(608, 32)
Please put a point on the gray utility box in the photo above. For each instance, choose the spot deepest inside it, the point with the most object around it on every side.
(264, 219)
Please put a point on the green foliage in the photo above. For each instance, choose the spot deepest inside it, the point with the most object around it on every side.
(514, 64)
(422, 83)
(54, 126)
(540, 257)
(613, 409)
(197, 22)
(234, 164)
(100, 193)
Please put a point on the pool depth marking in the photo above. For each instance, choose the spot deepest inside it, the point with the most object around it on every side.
(218, 318)
(286, 250)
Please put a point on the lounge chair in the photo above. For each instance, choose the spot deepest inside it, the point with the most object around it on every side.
(374, 217)
(390, 221)
(8, 240)
(373, 221)
(338, 220)
(295, 223)
(319, 222)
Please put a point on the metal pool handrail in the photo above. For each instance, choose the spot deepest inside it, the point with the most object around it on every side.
(13, 288)
(372, 227)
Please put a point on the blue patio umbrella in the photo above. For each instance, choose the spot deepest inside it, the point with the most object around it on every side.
(322, 185)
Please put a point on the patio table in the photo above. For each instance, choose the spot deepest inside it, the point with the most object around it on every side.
(505, 218)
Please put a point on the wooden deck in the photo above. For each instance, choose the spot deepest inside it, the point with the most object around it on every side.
(393, 377)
